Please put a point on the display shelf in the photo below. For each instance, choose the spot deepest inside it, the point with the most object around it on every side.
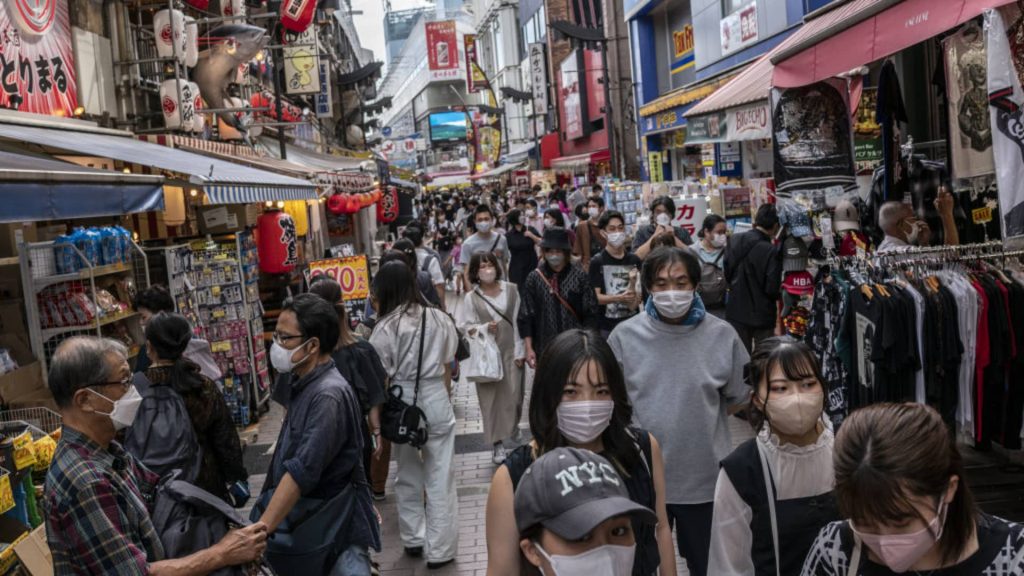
(94, 272)
(48, 333)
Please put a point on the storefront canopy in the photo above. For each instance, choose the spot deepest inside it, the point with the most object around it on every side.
(34, 189)
(862, 31)
(518, 153)
(322, 162)
(496, 172)
(224, 182)
(580, 160)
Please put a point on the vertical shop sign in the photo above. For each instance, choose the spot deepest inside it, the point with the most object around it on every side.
(475, 79)
(572, 93)
(301, 63)
(683, 44)
(867, 134)
(654, 166)
(690, 213)
(539, 78)
(730, 160)
(739, 29)
(442, 50)
(324, 103)
(37, 64)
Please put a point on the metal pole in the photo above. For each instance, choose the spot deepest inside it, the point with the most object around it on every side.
(279, 108)
(609, 127)
(533, 128)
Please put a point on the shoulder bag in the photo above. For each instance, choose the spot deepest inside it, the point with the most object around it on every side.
(400, 422)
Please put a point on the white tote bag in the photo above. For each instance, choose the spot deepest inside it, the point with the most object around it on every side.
(484, 363)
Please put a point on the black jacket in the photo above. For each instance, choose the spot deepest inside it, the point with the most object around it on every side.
(753, 269)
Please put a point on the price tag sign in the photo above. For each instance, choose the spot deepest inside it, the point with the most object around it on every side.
(6, 493)
(24, 451)
(981, 215)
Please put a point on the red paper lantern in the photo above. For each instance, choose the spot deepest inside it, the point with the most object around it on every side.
(336, 204)
(353, 205)
(297, 15)
(277, 244)
(387, 208)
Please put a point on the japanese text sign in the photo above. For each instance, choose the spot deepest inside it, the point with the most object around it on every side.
(442, 50)
(352, 272)
(690, 213)
(37, 65)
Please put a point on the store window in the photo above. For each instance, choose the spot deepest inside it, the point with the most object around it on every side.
(730, 6)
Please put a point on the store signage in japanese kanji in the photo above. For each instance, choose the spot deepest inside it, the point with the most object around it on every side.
(352, 273)
(690, 213)
(539, 78)
(37, 65)
(442, 50)
(654, 167)
(301, 63)
(739, 29)
(324, 105)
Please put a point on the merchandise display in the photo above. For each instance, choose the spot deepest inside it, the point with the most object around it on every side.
(626, 197)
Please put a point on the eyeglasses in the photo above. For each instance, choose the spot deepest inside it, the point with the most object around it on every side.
(126, 383)
(280, 338)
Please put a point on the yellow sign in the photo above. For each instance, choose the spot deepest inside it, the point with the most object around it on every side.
(6, 493)
(981, 215)
(352, 272)
(24, 452)
(679, 139)
(683, 41)
(654, 167)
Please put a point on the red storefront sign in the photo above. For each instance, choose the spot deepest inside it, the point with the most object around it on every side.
(37, 64)
(475, 79)
(442, 50)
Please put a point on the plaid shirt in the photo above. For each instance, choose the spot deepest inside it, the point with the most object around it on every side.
(97, 520)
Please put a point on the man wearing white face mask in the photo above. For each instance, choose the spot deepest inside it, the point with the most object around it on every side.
(613, 275)
(663, 210)
(684, 400)
(97, 520)
(574, 516)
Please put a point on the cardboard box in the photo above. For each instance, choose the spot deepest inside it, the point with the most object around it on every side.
(226, 218)
(41, 398)
(27, 380)
(12, 319)
(12, 532)
(11, 235)
(34, 553)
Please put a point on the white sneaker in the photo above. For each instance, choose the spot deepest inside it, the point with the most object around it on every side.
(499, 453)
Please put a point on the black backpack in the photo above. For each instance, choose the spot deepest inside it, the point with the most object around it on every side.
(713, 285)
(162, 436)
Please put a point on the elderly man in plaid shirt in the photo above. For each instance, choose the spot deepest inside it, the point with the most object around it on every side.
(97, 495)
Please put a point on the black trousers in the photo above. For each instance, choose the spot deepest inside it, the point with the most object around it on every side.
(693, 533)
(750, 335)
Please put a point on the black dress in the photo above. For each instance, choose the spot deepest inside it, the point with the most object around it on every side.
(524, 255)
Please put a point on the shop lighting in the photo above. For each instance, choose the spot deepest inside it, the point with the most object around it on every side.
(79, 112)
(269, 204)
(127, 170)
(193, 192)
(280, 203)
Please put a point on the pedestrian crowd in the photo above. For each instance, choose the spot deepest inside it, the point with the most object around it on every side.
(637, 346)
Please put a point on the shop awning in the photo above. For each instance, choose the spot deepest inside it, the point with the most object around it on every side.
(518, 153)
(34, 189)
(272, 164)
(862, 31)
(322, 162)
(450, 180)
(496, 172)
(402, 183)
(581, 160)
(359, 75)
(684, 95)
(224, 182)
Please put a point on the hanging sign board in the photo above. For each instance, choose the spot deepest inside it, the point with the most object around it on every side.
(539, 78)
(442, 50)
(352, 273)
(301, 63)
(37, 64)
(690, 213)
(475, 79)
(324, 103)
(739, 29)
(749, 122)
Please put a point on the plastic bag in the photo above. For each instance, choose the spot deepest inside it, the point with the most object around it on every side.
(484, 363)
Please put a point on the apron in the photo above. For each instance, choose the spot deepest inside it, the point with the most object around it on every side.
(499, 400)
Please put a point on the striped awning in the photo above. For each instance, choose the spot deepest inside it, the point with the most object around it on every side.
(232, 194)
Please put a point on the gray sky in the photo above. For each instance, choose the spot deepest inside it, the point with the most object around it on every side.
(370, 24)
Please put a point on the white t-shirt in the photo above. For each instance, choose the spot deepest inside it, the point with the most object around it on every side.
(396, 339)
(436, 276)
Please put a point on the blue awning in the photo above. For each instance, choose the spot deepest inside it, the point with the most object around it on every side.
(229, 194)
(36, 188)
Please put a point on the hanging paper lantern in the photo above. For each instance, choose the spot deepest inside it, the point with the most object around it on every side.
(336, 204)
(276, 242)
(297, 15)
(170, 102)
(297, 209)
(232, 8)
(169, 29)
(174, 205)
(191, 42)
(353, 205)
(387, 208)
(198, 120)
(199, 4)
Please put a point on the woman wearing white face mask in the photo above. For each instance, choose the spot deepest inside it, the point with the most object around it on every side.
(584, 528)
(579, 400)
(663, 211)
(613, 274)
(711, 251)
(492, 307)
(774, 492)
(900, 483)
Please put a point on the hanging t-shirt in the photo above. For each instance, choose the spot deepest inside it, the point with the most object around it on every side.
(1006, 98)
(970, 129)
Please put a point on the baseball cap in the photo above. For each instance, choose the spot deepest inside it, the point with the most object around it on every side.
(794, 255)
(570, 491)
(799, 283)
(846, 217)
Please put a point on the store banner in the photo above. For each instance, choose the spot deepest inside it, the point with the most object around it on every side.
(301, 63)
(970, 128)
(442, 50)
(812, 137)
(573, 97)
(751, 122)
(1006, 99)
(352, 273)
(37, 63)
(475, 79)
(868, 153)
(690, 213)
(707, 129)
(539, 78)
(654, 167)
(324, 98)
(682, 49)
(739, 29)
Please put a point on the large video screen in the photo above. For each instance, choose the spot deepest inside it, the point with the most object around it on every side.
(447, 126)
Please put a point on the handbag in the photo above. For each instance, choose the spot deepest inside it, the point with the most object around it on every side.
(402, 423)
(462, 351)
(485, 365)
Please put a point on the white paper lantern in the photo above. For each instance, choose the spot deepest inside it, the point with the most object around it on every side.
(174, 205)
(198, 120)
(170, 102)
(191, 42)
(169, 28)
(232, 7)
(188, 106)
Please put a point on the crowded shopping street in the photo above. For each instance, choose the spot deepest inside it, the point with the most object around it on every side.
(489, 288)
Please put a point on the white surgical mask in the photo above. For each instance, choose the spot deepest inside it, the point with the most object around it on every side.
(617, 239)
(593, 212)
(718, 240)
(125, 408)
(554, 260)
(607, 560)
(488, 276)
(531, 213)
(915, 230)
(673, 304)
(549, 223)
(483, 226)
(582, 422)
(281, 358)
(663, 219)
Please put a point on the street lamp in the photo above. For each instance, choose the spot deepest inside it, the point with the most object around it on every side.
(589, 35)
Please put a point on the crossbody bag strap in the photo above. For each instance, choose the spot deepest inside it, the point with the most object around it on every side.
(419, 362)
(769, 487)
(492, 306)
(559, 296)
(855, 559)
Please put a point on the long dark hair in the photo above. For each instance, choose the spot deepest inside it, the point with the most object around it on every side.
(559, 363)
(887, 453)
(797, 360)
(329, 289)
(169, 334)
(395, 287)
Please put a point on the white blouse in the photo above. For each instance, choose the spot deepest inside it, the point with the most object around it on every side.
(396, 338)
(466, 315)
(798, 472)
